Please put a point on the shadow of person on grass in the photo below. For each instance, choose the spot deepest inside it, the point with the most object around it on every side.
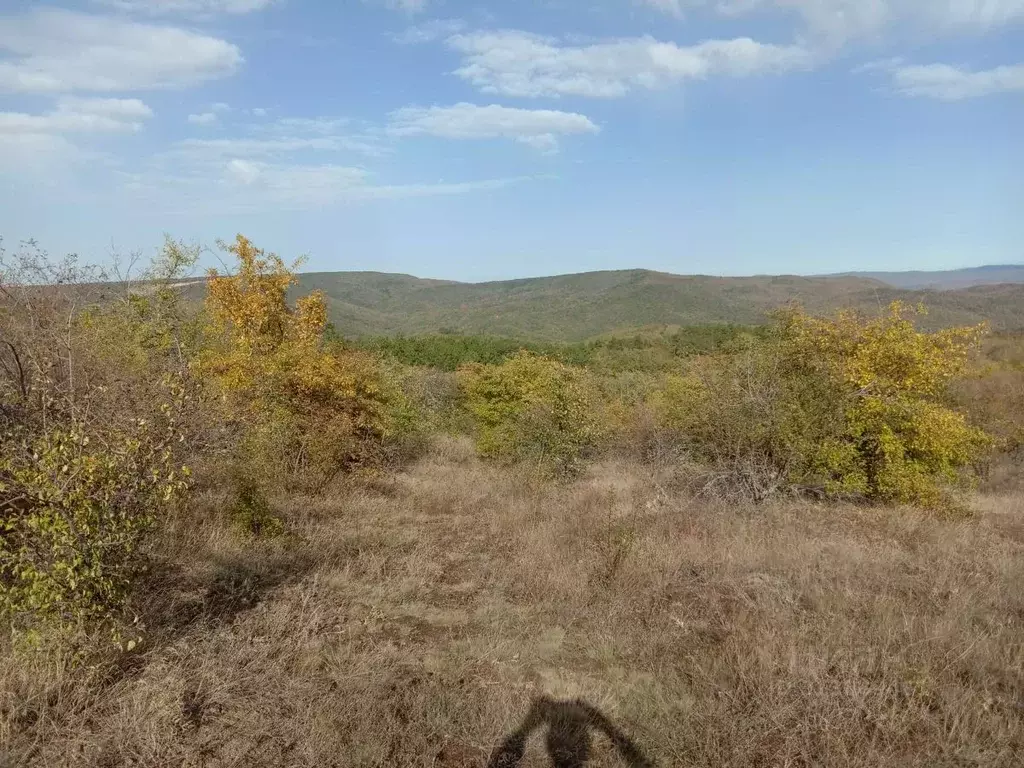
(568, 740)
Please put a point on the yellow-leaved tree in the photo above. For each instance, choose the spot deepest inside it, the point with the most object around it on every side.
(848, 404)
(301, 410)
(902, 441)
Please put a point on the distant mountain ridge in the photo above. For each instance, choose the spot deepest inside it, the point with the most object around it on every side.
(586, 305)
(969, 277)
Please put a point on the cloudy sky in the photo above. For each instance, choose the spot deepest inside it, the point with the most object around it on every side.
(482, 140)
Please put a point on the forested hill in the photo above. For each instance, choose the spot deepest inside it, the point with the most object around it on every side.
(583, 306)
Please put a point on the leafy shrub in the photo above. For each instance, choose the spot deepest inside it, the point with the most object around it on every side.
(756, 423)
(849, 405)
(901, 441)
(431, 402)
(304, 409)
(93, 396)
(532, 407)
(74, 514)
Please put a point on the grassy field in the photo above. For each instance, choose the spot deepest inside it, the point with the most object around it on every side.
(412, 620)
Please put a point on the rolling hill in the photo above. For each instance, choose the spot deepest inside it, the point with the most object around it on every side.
(583, 306)
(951, 279)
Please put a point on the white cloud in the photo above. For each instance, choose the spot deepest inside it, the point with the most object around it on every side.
(332, 134)
(406, 6)
(322, 126)
(298, 186)
(35, 156)
(441, 188)
(839, 21)
(409, 6)
(671, 7)
(255, 185)
(296, 163)
(245, 171)
(280, 140)
(118, 108)
(540, 128)
(53, 51)
(39, 145)
(220, 106)
(248, 147)
(204, 118)
(312, 184)
(949, 83)
(978, 13)
(429, 31)
(188, 7)
(521, 64)
(258, 112)
(75, 115)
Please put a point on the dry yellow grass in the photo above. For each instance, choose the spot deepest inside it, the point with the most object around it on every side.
(412, 621)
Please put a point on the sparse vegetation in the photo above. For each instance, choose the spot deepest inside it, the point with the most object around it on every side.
(92, 400)
(312, 551)
(250, 511)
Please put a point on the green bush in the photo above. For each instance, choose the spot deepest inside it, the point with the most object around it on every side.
(847, 405)
(531, 407)
(449, 351)
(756, 423)
(432, 401)
(95, 401)
(75, 515)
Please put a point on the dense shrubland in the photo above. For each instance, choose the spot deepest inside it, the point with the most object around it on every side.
(119, 398)
(116, 397)
(95, 402)
(848, 406)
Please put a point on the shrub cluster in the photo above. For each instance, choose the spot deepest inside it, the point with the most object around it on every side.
(848, 405)
(654, 350)
(113, 391)
(94, 404)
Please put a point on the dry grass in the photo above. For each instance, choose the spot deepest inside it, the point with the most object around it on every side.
(411, 621)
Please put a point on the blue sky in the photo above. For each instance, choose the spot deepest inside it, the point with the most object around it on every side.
(486, 140)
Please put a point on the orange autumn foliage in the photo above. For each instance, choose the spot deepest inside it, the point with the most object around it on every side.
(302, 409)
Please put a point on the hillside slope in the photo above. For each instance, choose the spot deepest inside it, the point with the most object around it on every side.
(950, 279)
(582, 306)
